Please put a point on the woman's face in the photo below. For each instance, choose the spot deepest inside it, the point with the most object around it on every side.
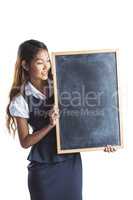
(40, 66)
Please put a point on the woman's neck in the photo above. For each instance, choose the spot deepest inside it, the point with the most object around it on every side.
(39, 84)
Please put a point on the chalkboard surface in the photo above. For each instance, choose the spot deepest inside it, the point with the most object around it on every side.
(86, 93)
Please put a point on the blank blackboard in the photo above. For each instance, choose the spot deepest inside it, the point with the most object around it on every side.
(87, 95)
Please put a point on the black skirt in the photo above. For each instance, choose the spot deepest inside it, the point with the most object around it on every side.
(61, 180)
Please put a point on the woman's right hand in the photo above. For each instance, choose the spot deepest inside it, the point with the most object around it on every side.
(54, 115)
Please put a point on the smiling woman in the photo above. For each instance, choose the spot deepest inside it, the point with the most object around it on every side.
(31, 98)
(31, 102)
(38, 69)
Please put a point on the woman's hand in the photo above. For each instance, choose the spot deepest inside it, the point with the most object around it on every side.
(109, 149)
(54, 115)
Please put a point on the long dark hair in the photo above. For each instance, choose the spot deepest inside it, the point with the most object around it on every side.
(26, 51)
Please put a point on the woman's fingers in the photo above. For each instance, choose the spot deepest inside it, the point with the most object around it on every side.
(53, 119)
(109, 149)
(53, 114)
(54, 110)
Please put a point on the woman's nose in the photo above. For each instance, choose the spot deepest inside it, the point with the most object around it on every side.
(45, 68)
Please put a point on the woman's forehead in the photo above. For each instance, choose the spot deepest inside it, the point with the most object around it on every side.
(42, 54)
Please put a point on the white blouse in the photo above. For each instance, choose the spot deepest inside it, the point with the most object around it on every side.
(19, 107)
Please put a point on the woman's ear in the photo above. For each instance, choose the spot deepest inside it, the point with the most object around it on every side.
(24, 65)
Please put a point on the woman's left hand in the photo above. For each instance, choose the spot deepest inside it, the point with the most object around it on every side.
(109, 149)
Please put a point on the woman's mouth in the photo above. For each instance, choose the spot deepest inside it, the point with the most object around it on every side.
(44, 74)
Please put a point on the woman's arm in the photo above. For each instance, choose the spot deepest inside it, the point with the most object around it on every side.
(26, 139)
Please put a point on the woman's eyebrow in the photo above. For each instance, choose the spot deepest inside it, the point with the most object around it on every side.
(39, 59)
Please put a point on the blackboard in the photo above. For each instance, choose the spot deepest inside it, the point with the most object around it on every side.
(87, 95)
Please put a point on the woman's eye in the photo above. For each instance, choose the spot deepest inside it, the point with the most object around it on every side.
(39, 63)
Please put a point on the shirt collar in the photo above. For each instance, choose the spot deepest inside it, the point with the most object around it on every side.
(31, 90)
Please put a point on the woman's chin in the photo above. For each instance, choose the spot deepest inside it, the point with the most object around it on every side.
(45, 77)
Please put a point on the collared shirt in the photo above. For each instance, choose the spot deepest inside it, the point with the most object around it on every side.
(19, 107)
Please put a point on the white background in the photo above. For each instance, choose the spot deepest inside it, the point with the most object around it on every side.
(69, 25)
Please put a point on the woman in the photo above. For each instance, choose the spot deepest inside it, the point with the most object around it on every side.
(50, 175)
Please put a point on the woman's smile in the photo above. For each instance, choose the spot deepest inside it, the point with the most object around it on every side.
(44, 73)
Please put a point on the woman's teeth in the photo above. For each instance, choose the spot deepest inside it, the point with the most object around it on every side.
(44, 74)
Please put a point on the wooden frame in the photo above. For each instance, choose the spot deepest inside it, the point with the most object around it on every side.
(58, 131)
